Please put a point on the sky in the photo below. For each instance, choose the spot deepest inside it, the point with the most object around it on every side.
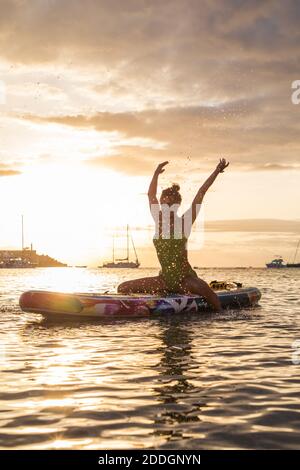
(94, 94)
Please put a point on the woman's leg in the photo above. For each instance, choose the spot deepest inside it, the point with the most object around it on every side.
(145, 285)
(195, 285)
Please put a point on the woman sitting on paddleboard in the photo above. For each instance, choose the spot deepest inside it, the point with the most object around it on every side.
(170, 241)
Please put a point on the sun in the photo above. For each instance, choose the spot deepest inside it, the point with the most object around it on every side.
(71, 210)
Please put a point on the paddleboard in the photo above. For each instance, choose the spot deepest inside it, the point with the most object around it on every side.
(56, 304)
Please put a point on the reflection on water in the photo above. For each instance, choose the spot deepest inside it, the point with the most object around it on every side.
(213, 381)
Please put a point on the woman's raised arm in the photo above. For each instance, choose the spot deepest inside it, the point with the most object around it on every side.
(206, 185)
(153, 185)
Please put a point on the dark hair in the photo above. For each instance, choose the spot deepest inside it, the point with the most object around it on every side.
(173, 192)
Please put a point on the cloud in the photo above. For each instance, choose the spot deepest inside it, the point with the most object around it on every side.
(124, 164)
(175, 50)
(275, 167)
(44, 30)
(9, 172)
(199, 79)
(202, 133)
(254, 225)
(6, 170)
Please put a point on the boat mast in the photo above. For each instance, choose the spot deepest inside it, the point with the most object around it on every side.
(127, 243)
(22, 217)
(296, 251)
(136, 257)
(113, 248)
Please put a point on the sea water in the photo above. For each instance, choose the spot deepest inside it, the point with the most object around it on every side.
(217, 381)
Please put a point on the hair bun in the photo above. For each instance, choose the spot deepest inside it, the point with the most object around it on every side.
(175, 187)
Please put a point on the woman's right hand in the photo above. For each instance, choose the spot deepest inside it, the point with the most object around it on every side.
(160, 169)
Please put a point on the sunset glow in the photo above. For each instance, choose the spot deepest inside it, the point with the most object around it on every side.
(87, 112)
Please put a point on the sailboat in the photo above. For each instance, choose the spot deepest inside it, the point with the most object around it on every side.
(17, 259)
(123, 262)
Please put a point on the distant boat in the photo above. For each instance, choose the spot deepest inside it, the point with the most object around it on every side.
(16, 263)
(80, 266)
(276, 263)
(123, 262)
(279, 263)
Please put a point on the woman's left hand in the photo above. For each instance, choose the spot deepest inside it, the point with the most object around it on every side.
(222, 165)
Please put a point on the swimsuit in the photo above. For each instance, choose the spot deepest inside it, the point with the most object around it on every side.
(172, 255)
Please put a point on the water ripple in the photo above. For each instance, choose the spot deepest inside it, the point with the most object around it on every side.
(215, 381)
